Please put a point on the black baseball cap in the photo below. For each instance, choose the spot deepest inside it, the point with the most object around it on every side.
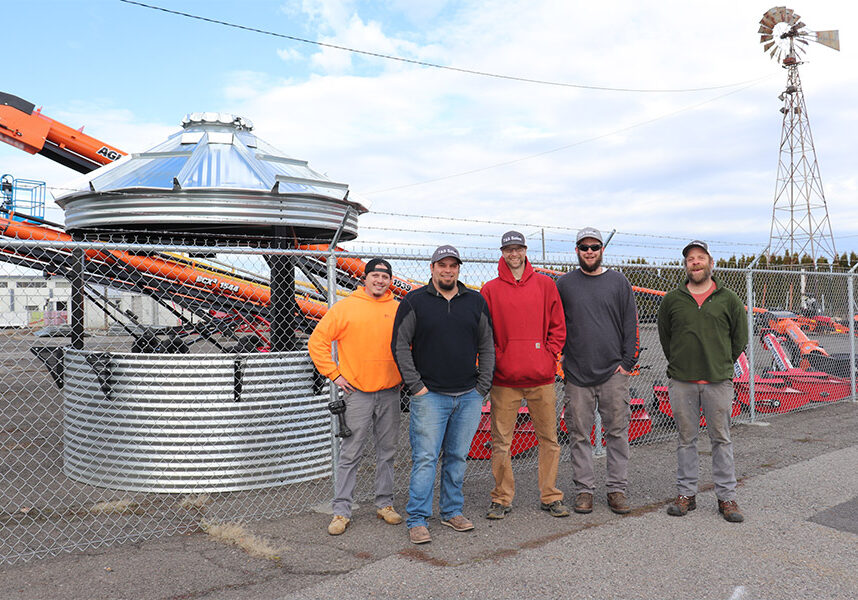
(378, 264)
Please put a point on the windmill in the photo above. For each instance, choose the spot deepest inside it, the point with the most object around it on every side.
(800, 223)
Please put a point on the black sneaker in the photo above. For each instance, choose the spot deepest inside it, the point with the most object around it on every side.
(556, 508)
(498, 511)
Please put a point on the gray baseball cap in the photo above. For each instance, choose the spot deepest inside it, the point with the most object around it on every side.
(703, 245)
(444, 252)
(512, 238)
(589, 232)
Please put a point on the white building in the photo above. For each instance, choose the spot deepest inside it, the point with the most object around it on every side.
(31, 301)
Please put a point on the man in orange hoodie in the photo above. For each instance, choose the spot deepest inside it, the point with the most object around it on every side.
(529, 332)
(362, 326)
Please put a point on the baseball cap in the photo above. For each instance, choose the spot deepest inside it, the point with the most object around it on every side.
(444, 252)
(378, 264)
(694, 243)
(589, 232)
(512, 238)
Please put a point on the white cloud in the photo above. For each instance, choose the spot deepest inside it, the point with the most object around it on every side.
(289, 54)
(655, 163)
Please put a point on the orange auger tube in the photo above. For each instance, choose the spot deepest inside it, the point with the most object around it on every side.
(35, 133)
(355, 268)
(226, 286)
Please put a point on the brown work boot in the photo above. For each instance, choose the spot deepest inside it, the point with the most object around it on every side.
(731, 511)
(338, 525)
(390, 516)
(681, 506)
(617, 503)
(419, 535)
(459, 523)
(583, 503)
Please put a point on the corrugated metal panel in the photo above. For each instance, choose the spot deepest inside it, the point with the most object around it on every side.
(174, 423)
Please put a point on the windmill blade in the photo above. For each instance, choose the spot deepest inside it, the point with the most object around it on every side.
(767, 46)
(830, 38)
(772, 53)
(769, 18)
(800, 25)
(764, 29)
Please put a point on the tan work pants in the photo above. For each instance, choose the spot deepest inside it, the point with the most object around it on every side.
(542, 406)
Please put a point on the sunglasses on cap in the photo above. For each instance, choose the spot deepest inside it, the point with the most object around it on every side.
(593, 247)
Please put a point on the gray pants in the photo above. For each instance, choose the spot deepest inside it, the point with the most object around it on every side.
(611, 398)
(368, 413)
(716, 400)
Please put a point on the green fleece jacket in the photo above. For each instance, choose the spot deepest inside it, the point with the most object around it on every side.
(702, 343)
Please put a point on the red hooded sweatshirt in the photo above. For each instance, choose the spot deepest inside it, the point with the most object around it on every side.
(529, 327)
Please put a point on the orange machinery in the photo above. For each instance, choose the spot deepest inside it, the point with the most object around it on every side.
(24, 126)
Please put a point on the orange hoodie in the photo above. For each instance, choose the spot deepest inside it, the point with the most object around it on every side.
(362, 326)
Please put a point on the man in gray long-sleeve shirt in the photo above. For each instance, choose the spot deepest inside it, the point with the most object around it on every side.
(601, 350)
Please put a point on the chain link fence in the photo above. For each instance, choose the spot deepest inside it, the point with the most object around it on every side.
(149, 389)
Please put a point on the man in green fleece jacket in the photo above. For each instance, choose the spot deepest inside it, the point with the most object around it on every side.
(703, 328)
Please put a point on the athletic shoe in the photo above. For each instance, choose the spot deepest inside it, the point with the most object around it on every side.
(556, 508)
(498, 511)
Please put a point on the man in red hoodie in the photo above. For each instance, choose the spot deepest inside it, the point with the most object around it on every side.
(529, 332)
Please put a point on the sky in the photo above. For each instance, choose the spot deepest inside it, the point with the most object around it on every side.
(445, 156)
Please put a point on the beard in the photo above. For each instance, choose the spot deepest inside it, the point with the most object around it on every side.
(700, 275)
(592, 267)
(447, 286)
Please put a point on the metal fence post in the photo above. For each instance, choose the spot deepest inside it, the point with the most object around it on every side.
(850, 313)
(749, 284)
(77, 299)
(333, 391)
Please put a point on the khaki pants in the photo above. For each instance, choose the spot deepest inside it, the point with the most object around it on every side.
(542, 406)
(611, 399)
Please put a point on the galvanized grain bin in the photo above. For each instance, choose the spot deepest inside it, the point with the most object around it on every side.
(193, 423)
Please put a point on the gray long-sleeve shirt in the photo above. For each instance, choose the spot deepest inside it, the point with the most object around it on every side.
(601, 326)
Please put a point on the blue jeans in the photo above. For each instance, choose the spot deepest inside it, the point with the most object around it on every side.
(440, 422)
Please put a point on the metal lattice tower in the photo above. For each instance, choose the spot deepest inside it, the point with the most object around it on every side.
(800, 222)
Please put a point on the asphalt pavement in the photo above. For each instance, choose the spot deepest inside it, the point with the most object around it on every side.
(798, 490)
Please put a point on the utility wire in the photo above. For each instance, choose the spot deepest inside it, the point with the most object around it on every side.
(434, 65)
(567, 146)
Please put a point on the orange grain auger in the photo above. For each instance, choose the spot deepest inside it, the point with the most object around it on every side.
(24, 126)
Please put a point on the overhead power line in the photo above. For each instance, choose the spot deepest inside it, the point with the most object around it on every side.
(565, 146)
(435, 65)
